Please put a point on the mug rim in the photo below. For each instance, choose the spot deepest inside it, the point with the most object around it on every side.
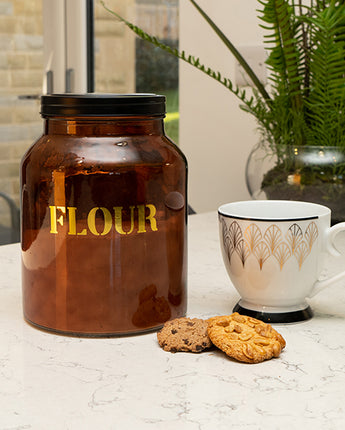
(232, 210)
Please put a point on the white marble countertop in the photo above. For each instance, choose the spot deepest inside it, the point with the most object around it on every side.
(53, 382)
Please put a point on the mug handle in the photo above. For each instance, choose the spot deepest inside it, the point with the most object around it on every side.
(331, 235)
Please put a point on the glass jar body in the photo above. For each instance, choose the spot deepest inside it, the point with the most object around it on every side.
(103, 227)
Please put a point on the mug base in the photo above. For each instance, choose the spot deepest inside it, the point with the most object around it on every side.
(276, 317)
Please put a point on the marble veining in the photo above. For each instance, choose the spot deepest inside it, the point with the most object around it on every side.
(55, 382)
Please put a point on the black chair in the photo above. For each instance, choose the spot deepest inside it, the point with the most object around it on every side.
(10, 234)
(191, 211)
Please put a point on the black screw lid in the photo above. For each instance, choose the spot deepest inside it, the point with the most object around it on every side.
(95, 104)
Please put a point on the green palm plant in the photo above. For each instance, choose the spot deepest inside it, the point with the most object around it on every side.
(303, 105)
(305, 42)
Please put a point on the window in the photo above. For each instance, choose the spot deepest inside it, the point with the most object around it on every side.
(125, 63)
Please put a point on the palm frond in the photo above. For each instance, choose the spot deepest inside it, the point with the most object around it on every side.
(193, 61)
(282, 43)
(326, 102)
(258, 84)
(305, 42)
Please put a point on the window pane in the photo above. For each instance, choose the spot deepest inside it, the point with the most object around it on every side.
(125, 63)
(114, 48)
(156, 70)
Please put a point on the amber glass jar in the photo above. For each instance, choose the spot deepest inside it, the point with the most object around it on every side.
(104, 216)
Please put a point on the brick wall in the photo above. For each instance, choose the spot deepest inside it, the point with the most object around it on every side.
(114, 48)
(158, 17)
(21, 62)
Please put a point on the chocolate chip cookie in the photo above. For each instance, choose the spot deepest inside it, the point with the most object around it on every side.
(184, 334)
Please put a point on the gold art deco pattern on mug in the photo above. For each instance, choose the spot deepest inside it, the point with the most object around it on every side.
(269, 243)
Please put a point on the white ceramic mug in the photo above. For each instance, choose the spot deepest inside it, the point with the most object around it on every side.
(274, 252)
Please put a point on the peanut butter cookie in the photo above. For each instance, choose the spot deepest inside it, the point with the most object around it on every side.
(244, 338)
(184, 334)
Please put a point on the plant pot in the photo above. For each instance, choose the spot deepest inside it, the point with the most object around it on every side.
(307, 173)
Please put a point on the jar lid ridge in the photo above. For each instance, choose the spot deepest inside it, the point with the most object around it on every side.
(102, 104)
